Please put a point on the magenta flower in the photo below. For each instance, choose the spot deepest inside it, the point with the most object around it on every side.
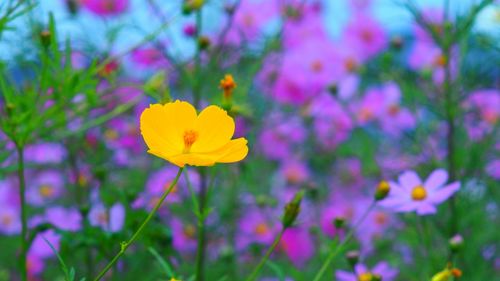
(304, 23)
(45, 153)
(411, 194)
(149, 57)
(298, 245)
(394, 119)
(294, 171)
(277, 139)
(363, 273)
(105, 7)
(109, 219)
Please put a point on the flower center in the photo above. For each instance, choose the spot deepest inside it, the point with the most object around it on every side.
(367, 36)
(380, 218)
(6, 220)
(316, 66)
(350, 64)
(102, 217)
(418, 193)
(261, 229)
(111, 134)
(46, 191)
(393, 109)
(190, 137)
(189, 230)
(367, 276)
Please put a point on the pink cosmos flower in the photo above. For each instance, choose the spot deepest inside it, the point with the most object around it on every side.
(294, 171)
(365, 35)
(332, 123)
(304, 22)
(68, 219)
(280, 134)
(105, 7)
(249, 20)
(149, 57)
(393, 118)
(45, 153)
(411, 194)
(363, 273)
(298, 245)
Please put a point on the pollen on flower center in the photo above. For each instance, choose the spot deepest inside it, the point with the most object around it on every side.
(189, 230)
(6, 220)
(261, 229)
(46, 190)
(418, 193)
(190, 137)
(317, 66)
(367, 276)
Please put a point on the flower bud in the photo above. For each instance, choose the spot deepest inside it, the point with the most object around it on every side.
(292, 210)
(352, 257)
(228, 85)
(203, 42)
(397, 43)
(456, 243)
(383, 189)
(45, 38)
(339, 222)
(376, 277)
(333, 89)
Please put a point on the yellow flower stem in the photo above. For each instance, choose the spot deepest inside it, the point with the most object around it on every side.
(125, 245)
(255, 272)
(339, 247)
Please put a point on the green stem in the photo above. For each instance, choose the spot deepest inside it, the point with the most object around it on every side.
(24, 223)
(125, 245)
(256, 271)
(201, 245)
(334, 253)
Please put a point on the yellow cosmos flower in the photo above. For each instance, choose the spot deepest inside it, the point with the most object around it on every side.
(177, 134)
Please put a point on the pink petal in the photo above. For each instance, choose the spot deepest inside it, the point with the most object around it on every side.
(444, 193)
(436, 179)
(426, 209)
(409, 180)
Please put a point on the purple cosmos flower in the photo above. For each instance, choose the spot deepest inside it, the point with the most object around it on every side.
(411, 194)
(35, 265)
(332, 123)
(105, 7)
(159, 181)
(40, 248)
(183, 235)
(363, 273)
(66, 219)
(255, 226)
(45, 153)
(304, 22)
(294, 171)
(298, 245)
(493, 169)
(109, 219)
(280, 134)
(10, 220)
(149, 57)
(45, 187)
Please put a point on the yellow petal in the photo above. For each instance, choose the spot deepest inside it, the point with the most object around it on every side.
(192, 159)
(215, 129)
(163, 126)
(234, 151)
